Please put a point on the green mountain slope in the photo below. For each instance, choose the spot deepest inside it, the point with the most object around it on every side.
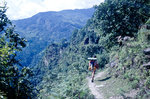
(118, 34)
(62, 71)
(46, 27)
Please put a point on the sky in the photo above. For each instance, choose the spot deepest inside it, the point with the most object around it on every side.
(19, 9)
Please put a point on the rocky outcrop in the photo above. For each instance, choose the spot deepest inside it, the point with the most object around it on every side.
(147, 51)
(124, 40)
(147, 65)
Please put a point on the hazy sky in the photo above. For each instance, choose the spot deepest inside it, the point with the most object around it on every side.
(18, 9)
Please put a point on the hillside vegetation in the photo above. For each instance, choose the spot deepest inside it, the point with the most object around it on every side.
(62, 71)
(46, 27)
(131, 62)
(118, 34)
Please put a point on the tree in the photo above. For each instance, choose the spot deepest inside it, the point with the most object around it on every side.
(121, 17)
(13, 80)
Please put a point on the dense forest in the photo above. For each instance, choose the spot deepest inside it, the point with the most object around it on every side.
(118, 33)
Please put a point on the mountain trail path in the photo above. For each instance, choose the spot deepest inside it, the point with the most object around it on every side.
(94, 88)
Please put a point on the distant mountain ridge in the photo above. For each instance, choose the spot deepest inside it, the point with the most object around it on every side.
(46, 27)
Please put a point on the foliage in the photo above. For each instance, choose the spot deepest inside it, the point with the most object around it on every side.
(121, 17)
(14, 81)
(62, 70)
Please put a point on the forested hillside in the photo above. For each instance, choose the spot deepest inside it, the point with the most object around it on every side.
(118, 33)
(46, 27)
(63, 69)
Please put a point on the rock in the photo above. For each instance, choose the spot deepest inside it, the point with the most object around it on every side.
(126, 38)
(146, 26)
(148, 56)
(146, 65)
(147, 51)
(114, 63)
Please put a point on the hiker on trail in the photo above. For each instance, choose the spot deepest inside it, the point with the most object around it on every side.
(93, 66)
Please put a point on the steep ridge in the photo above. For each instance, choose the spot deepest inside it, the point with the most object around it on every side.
(64, 66)
(127, 75)
(46, 27)
(118, 34)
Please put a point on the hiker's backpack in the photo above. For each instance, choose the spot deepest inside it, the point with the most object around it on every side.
(92, 62)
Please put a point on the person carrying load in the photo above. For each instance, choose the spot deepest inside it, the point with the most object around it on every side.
(93, 66)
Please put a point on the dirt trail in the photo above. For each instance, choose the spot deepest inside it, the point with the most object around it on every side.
(94, 88)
